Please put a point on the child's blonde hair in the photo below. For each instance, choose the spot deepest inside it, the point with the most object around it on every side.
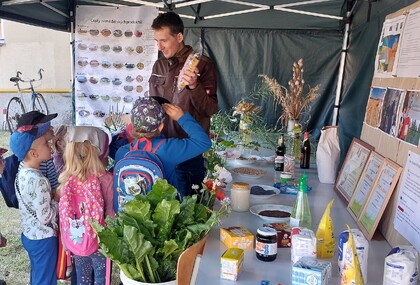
(59, 134)
(80, 160)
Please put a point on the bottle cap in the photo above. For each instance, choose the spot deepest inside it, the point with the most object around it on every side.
(302, 183)
(266, 231)
(240, 185)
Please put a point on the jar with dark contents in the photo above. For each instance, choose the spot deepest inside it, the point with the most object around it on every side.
(266, 244)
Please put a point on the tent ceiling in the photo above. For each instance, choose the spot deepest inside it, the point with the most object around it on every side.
(262, 14)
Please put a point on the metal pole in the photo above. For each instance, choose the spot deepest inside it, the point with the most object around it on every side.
(341, 70)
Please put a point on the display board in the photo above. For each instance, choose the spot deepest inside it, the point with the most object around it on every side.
(376, 203)
(404, 55)
(356, 159)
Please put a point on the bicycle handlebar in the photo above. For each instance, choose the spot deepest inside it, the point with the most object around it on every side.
(18, 78)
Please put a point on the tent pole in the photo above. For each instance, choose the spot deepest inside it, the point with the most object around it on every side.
(341, 69)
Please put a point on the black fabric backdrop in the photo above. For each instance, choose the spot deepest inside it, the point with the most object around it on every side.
(241, 55)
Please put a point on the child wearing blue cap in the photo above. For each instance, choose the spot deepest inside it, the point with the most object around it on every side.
(38, 209)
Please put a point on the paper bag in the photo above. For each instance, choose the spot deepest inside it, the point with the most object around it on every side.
(328, 155)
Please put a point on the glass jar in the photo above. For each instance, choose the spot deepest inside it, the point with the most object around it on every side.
(239, 196)
(266, 244)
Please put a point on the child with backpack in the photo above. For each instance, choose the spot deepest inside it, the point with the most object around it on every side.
(12, 164)
(38, 209)
(86, 195)
(147, 117)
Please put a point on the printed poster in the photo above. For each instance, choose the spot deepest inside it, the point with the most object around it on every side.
(408, 205)
(389, 113)
(409, 119)
(114, 55)
(409, 56)
(374, 106)
(388, 48)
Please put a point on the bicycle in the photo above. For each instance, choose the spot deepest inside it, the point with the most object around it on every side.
(16, 106)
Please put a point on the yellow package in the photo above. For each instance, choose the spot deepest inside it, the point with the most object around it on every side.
(237, 237)
(352, 273)
(325, 241)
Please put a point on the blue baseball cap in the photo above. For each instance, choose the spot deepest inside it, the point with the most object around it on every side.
(21, 140)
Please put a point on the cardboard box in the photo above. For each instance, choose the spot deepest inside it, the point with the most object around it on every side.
(308, 271)
(237, 237)
(283, 233)
(231, 263)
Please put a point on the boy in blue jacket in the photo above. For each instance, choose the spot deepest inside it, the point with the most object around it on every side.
(147, 117)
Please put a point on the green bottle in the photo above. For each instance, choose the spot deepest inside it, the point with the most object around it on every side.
(301, 213)
(297, 131)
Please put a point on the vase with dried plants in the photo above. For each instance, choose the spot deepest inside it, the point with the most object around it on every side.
(292, 99)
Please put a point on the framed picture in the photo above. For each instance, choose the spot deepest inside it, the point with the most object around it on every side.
(375, 205)
(365, 184)
(353, 165)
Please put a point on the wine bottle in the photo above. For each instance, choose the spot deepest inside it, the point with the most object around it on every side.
(301, 213)
(280, 152)
(305, 151)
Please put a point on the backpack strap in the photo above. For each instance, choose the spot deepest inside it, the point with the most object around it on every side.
(158, 145)
(148, 145)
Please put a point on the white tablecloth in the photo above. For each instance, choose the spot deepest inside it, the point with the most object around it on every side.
(279, 271)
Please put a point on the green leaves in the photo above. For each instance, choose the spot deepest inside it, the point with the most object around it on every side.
(146, 238)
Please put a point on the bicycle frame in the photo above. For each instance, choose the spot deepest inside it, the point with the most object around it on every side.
(18, 106)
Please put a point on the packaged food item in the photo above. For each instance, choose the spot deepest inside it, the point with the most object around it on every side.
(231, 263)
(303, 243)
(362, 249)
(266, 244)
(401, 266)
(190, 64)
(351, 273)
(308, 270)
(237, 237)
(325, 242)
(283, 233)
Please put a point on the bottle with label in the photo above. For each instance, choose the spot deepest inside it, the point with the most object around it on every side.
(266, 244)
(297, 131)
(301, 213)
(280, 152)
(305, 151)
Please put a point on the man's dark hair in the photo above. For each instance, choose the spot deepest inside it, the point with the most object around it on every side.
(170, 20)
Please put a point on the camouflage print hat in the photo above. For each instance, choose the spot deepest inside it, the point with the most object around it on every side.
(147, 115)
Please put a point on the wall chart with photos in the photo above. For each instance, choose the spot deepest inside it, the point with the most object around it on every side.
(114, 55)
(392, 125)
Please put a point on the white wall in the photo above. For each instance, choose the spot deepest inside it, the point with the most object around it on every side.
(27, 49)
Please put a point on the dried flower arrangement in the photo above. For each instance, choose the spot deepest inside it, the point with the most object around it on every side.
(293, 102)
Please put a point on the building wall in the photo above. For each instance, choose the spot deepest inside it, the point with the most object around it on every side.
(27, 49)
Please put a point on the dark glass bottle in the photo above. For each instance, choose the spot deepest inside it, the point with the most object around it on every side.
(305, 151)
(280, 152)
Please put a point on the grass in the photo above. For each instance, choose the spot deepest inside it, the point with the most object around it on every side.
(14, 261)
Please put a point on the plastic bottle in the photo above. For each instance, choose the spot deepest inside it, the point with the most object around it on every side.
(280, 152)
(301, 213)
(297, 131)
(305, 151)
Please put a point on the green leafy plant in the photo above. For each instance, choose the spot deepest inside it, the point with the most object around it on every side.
(147, 237)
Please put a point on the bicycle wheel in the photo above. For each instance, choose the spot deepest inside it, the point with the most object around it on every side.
(39, 104)
(14, 111)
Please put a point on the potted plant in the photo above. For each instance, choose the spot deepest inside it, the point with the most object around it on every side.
(146, 238)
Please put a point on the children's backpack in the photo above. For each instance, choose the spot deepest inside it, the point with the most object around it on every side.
(80, 202)
(137, 171)
(7, 185)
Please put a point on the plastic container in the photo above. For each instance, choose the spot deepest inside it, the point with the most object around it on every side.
(301, 213)
(240, 196)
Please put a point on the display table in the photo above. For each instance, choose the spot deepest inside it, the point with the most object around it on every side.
(279, 271)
